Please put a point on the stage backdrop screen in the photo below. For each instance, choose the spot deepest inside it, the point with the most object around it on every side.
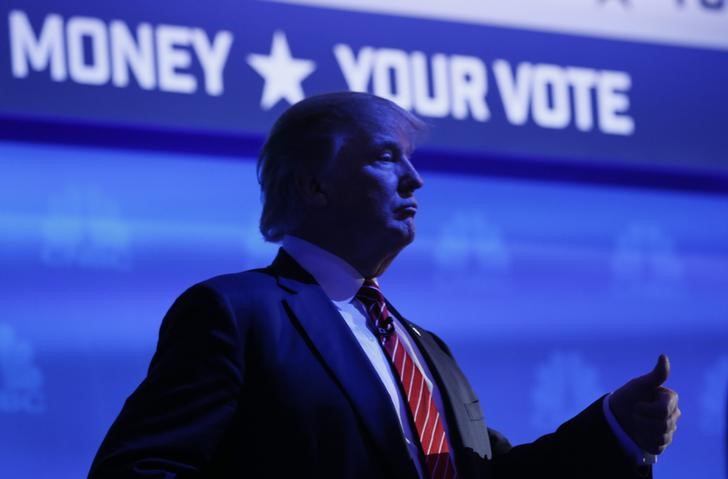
(549, 294)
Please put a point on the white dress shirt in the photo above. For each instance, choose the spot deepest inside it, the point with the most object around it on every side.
(340, 281)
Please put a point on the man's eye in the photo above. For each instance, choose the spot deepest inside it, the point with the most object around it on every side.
(387, 156)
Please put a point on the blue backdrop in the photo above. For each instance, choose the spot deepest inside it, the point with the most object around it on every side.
(568, 233)
(549, 294)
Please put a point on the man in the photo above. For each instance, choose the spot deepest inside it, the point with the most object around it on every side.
(302, 369)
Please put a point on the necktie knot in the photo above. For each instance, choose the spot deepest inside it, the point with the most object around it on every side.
(373, 300)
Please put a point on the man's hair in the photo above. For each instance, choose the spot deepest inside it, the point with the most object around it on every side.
(310, 134)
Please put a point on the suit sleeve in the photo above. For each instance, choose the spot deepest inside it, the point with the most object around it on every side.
(582, 447)
(170, 426)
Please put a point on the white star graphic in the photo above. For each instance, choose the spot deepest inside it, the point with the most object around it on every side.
(282, 73)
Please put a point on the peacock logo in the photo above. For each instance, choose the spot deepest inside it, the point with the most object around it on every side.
(565, 384)
(21, 382)
(84, 227)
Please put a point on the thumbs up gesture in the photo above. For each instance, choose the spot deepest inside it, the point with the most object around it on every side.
(646, 410)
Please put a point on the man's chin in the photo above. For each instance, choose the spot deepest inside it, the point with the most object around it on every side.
(407, 231)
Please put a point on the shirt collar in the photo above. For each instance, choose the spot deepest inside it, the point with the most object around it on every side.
(339, 280)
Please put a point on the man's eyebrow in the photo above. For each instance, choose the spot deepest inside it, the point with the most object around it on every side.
(388, 144)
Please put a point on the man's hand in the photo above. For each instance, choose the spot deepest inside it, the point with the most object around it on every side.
(646, 410)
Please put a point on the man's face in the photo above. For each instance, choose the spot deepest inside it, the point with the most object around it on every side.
(370, 189)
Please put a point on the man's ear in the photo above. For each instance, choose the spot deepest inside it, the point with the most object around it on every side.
(310, 190)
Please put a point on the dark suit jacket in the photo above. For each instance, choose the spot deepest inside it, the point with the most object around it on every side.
(256, 375)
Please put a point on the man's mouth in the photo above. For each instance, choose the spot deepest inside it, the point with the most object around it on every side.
(408, 211)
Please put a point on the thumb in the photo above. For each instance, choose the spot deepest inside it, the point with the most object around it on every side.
(656, 377)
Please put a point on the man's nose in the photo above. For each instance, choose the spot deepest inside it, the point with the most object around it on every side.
(410, 179)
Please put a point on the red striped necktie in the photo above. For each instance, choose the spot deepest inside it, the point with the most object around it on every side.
(426, 417)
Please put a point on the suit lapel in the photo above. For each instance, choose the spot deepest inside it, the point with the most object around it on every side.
(337, 347)
(466, 426)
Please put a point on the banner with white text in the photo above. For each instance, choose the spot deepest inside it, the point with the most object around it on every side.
(230, 67)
